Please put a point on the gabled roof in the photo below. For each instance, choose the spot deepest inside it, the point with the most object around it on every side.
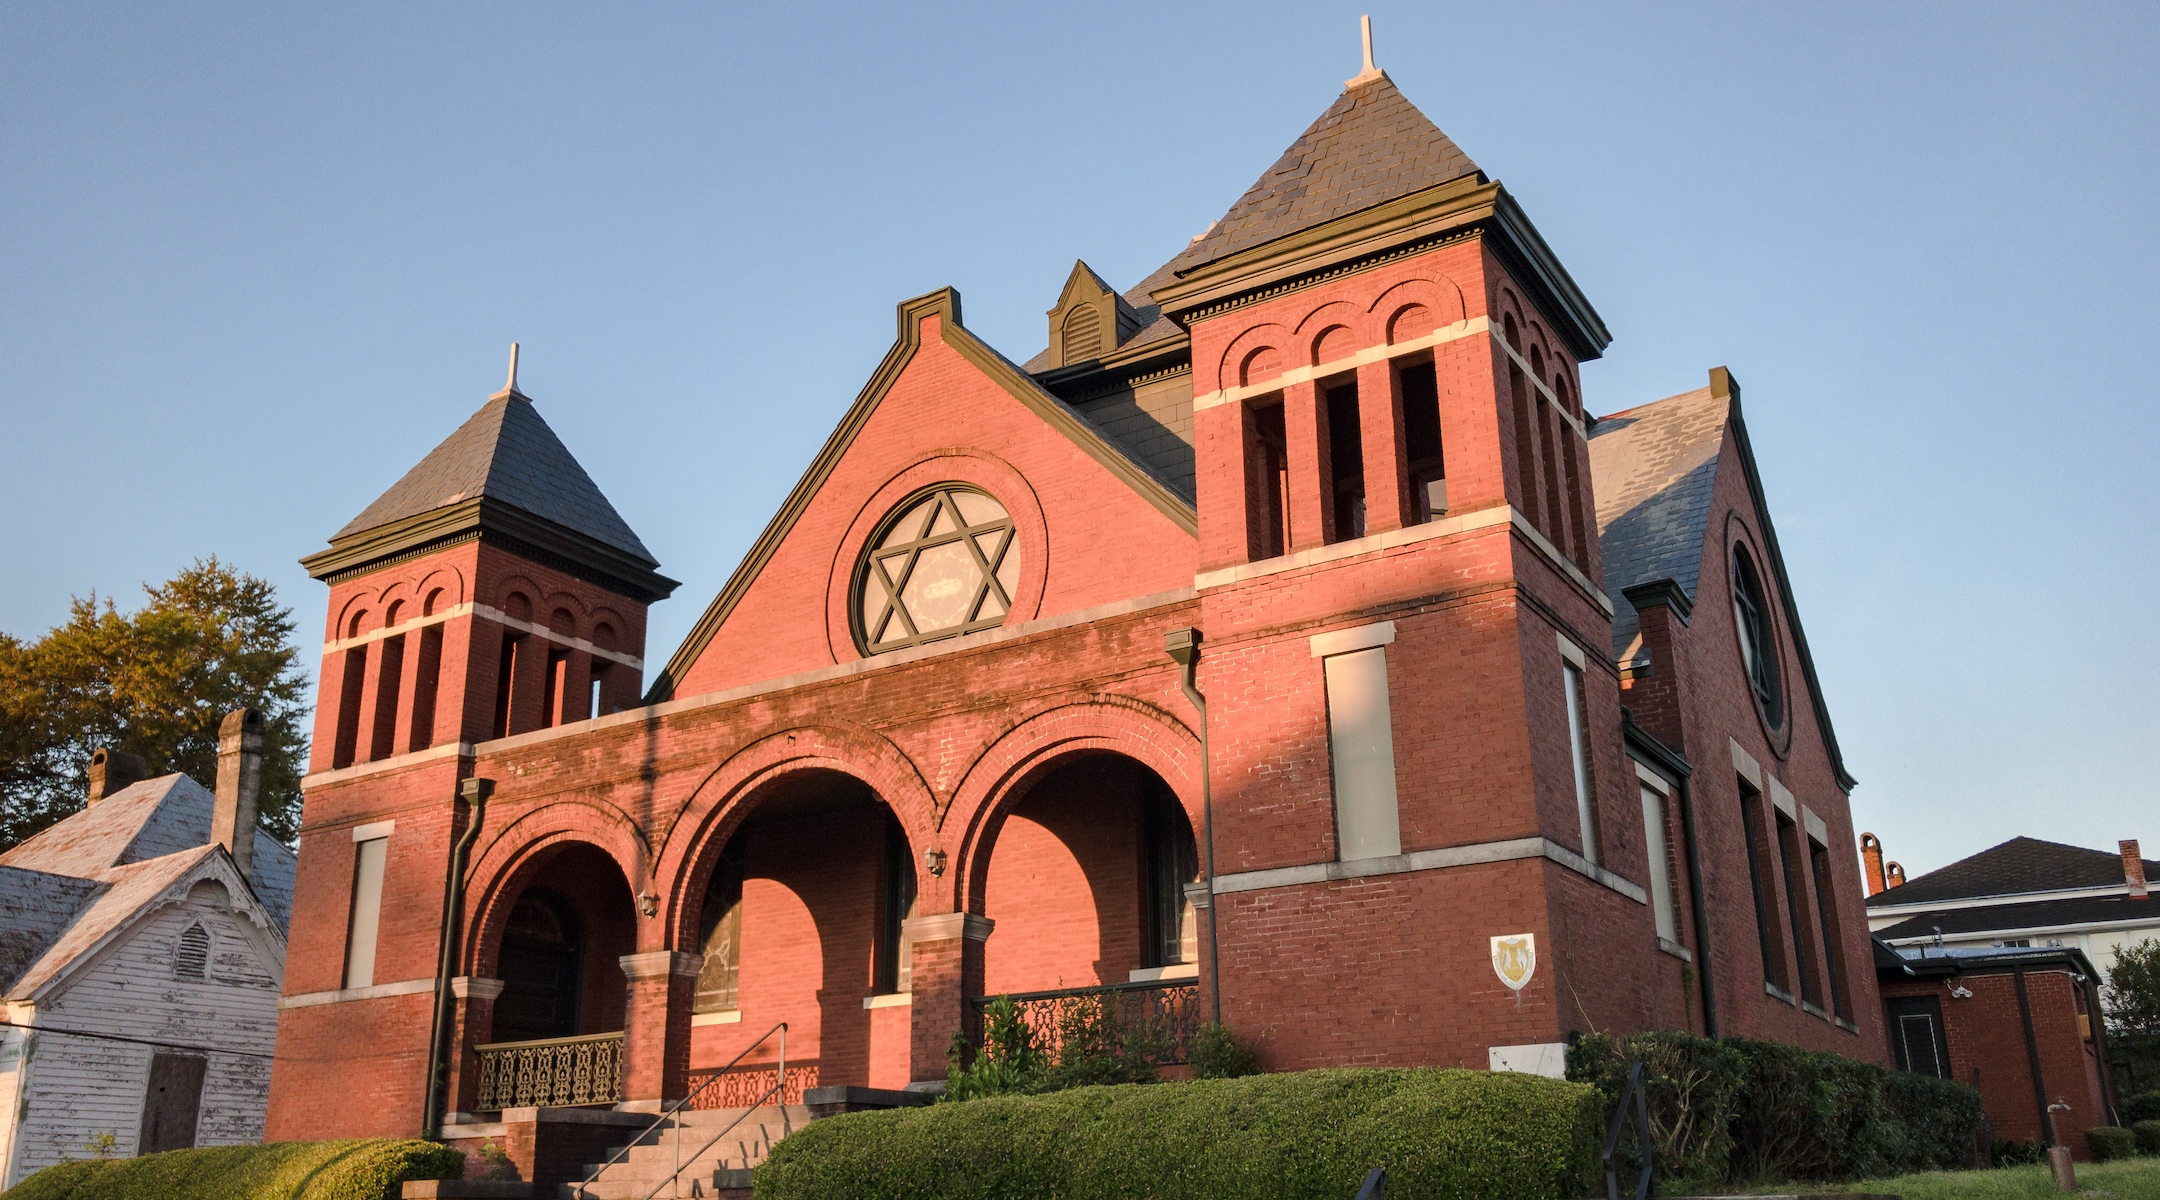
(1371, 146)
(1653, 469)
(1659, 461)
(505, 452)
(1059, 416)
(142, 822)
(2016, 867)
(2033, 914)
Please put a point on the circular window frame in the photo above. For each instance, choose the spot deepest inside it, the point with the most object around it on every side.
(861, 579)
(1739, 555)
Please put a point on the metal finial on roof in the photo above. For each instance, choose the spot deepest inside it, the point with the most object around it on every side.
(1370, 72)
(511, 386)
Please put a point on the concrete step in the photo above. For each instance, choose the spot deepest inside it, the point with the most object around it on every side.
(721, 1185)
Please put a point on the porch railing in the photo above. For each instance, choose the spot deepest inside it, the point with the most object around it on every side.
(1170, 1009)
(551, 1073)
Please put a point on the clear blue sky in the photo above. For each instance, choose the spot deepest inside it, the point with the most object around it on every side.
(256, 261)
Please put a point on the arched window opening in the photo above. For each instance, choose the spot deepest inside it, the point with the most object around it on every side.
(896, 903)
(719, 981)
(351, 686)
(1758, 645)
(944, 564)
(191, 957)
(1173, 861)
(542, 966)
(1427, 463)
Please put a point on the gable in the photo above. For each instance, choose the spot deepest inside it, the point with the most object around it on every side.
(1094, 525)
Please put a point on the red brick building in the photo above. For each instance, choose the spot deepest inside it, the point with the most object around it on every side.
(936, 738)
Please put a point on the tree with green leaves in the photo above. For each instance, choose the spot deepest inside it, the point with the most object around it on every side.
(2133, 1017)
(155, 682)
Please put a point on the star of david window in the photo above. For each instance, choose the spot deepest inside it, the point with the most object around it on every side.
(942, 565)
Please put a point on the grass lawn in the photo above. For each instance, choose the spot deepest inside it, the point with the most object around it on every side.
(2130, 1179)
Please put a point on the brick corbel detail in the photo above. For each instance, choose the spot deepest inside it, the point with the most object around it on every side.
(472, 1023)
(656, 1023)
(947, 969)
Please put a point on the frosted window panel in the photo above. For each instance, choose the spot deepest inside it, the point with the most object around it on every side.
(1361, 743)
(1653, 818)
(368, 859)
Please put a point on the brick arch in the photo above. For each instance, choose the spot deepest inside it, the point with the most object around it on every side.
(449, 579)
(1266, 336)
(360, 603)
(1509, 306)
(993, 475)
(727, 794)
(1442, 300)
(505, 865)
(1034, 745)
(1315, 327)
(522, 585)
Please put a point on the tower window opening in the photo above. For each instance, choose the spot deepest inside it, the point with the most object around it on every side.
(1421, 440)
(389, 688)
(597, 690)
(427, 681)
(1346, 460)
(506, 683)
(1268, 481)
(350, 690)
(554, 690)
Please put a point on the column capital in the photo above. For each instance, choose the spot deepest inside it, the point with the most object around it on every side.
(475, 987)
(655, 964)
(943, 926)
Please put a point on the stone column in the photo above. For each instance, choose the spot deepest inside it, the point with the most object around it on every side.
(656, 1025)
(947, 973)
(472, 1023)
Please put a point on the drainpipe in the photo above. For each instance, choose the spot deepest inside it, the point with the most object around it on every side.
(475, 793)
(1699, 911)
(2032, 1053)
(1183, 646)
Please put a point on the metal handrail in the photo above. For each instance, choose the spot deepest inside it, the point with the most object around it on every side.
(1142, 985)
(1639, 1094)
(779, 1083)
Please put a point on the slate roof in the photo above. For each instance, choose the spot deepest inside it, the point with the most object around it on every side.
(2017, 866)
(1652, 469)
(2034, 914)
(70, 872)
(507, 453)
(1371, 146)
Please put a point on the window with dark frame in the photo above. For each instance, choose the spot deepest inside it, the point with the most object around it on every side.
(1788, 839)
(1346, 459)
(1916, 1035)
(1271, 482)
(1758, 853)
(1421, 440)
(896, 904)
(719, 979)
(1833, 937)
(943, 565)
(1172, 862)
(1758, 649)
(1579, 755)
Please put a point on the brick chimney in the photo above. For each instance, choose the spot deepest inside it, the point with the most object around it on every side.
(1897, 875)
(2133, 868)
(239, 785)
(1871, 858)
(111, 770)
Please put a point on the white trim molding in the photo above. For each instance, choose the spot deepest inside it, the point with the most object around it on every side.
(656, 964)
(475, 987)
(473, 609)
(403, 987)
(1430, 860)
(732, 1016)
(1483, 518)
(1370, 354)
(941, 927)
(888, 1000)
(1357, 637)
(1745, 764)
(374, 829)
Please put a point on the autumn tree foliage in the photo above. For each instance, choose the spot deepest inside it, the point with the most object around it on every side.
(153, 682)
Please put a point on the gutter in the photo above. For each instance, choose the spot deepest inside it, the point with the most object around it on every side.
(475, 793)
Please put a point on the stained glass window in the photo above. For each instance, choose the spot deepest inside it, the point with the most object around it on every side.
(944, 564)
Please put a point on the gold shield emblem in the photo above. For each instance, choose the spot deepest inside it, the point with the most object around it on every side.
(1514, 958)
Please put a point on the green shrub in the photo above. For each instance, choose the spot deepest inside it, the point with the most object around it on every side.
(2110, 1142)
(1217, 1054)
(1738, 1111)
(2016, 1154)
(1091, 1046)
(2147, 1134)
(2141, 1106)
(363, 1169)
(1279, 1137)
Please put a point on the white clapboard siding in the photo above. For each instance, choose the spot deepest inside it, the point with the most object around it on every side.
(79, 1087)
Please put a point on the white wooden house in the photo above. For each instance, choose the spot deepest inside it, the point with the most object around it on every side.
(142, 951)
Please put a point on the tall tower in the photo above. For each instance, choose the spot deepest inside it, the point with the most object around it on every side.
(490, 592)
(1408, 640)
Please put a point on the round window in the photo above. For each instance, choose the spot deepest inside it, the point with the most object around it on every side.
(1758, 648)
(942, 565)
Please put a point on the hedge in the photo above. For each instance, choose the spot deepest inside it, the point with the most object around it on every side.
(1736, 1110)
(1310, 1134)
(2111, 1142)
(2147, 1134)
(362, 1169)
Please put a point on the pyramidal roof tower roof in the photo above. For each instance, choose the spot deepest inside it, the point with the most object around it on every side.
(1371, 146)
(502, 470)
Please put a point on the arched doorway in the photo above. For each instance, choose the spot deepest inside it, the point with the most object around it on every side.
(801, 921)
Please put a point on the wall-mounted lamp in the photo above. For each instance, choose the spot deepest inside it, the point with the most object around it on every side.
(1959, 991)
(933, 861)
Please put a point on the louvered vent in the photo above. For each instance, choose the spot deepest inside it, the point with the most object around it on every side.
(192, 959)
(1083, 334)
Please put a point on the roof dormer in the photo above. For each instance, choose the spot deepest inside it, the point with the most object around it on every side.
(1090, 319)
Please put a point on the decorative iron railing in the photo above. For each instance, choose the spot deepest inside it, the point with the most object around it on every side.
(551, 1073)
(1158, 1015)
(740, 1087)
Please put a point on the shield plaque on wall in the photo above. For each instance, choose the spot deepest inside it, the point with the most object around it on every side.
(1514, 958)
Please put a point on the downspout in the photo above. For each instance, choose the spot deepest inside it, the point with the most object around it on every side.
(1183, 646)
(1697, 909)
(475, 793)
(2032, 1053)
(2108, 1097)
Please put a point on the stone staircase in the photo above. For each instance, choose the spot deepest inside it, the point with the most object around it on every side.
(722, 1170)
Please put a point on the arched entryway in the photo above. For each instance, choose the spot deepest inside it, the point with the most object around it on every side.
(1086, 878)
(800, 920)
(553, 1035)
